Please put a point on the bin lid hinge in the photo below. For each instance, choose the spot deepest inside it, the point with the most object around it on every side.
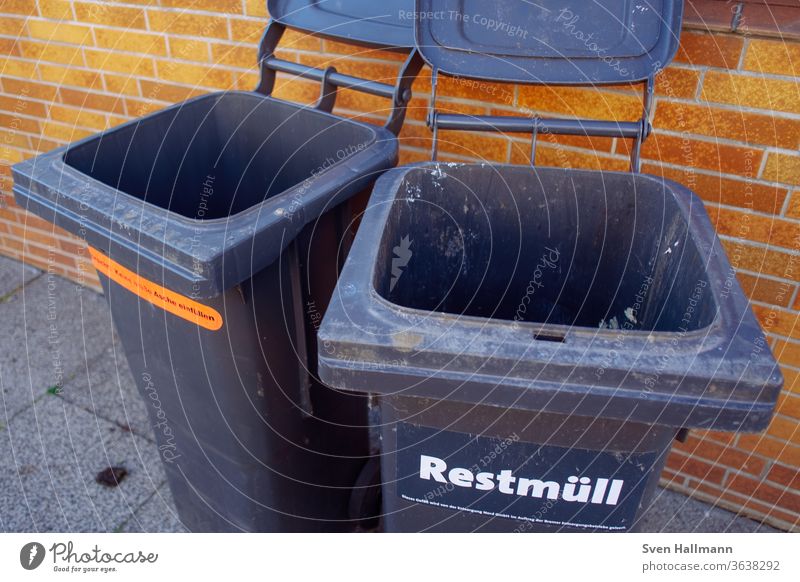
(536, 125)
(330, 79)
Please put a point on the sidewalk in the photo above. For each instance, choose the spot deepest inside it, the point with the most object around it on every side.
(69, 409)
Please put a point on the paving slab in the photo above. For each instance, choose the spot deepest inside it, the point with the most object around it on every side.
(107, 389)
(54, 442)
(13, 275)
(52, 328)
(157, 515)
(51, 454)
(673, 512)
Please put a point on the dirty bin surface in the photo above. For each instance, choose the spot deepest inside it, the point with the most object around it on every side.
(213, 224)
(578, 292)
(238, 170)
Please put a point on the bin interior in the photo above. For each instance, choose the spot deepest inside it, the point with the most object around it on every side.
(219, 155)
(550, 246)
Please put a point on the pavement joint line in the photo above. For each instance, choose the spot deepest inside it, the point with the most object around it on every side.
(71, 377)
(101, 446)
(123, 427)
(13, 292)
(39, 398)
(132, 516)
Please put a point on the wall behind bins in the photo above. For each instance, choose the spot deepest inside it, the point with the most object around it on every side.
(727, 124)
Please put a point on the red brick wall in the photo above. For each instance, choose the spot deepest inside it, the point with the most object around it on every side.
(727, 124)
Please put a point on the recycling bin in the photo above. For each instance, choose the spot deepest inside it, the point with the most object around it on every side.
(535, 338)
(217, 227)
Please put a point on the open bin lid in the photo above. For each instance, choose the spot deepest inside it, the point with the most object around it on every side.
(387, 23)
(549, 41)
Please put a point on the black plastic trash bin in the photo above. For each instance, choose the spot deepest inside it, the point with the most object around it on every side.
(560, 326)
(218, 227)
(535, 338)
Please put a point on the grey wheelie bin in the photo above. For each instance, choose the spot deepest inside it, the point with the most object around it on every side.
(218, 227)
(535, 338)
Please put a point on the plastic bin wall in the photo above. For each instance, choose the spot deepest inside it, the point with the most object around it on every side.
(218, 227)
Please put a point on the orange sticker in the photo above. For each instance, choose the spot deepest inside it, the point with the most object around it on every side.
(159, 296)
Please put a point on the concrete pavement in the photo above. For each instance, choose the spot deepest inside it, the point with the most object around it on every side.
(69, 408)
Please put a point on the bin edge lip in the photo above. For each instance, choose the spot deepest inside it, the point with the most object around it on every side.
(689, 409)
(682, 196)
(49, 173)
(378, 311)
(376, 133)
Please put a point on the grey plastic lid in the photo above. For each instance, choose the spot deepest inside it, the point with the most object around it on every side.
(388, 23)
(549, 41)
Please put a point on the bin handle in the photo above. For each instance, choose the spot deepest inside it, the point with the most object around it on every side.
(330, 79)
(637, 130)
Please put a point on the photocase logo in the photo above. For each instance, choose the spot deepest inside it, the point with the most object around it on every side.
(31, 555)
(402, 254)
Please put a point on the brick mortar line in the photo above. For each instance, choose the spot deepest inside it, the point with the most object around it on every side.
(62, 123)
(156, 34)
(760, 245)
(76, 276)
(781, 364)
(765, 438)
(53, 238)
(785, 309)
(787, 201)
(752, 74)
(103, 92)
(727, 488)
(570, 148)
(704, 138)
(259, 18)
(727, 107)
(704, 171)
(741, 510)
(669, 480)
(768, 277)
(755, 35)
(762, 166)
(778, 115)
(713, 173)
(697, 454)
(144, 9)
(792, 419)
(689, 66)
(793, 300)
(41, 246)
(743, 54)
(588, 150)
(774, 218)
(58, 86)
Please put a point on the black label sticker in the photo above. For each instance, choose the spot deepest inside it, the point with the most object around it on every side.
(518, 480)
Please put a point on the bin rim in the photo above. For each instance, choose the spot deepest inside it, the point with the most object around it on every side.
(368, 334)
(136, 232)
(599, 334)
(393, 177)
(74, 172)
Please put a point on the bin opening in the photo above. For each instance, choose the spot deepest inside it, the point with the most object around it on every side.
(548, 246)
(219, 155)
